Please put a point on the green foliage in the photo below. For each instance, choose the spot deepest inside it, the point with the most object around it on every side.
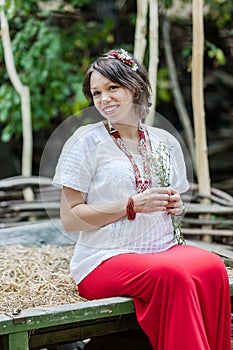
(51, 59)
(221, 11)
(166, 3)
(164, 89)
(215, 53)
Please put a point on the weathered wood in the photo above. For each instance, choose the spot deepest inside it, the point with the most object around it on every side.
(24, 181)
(83, 331)
(67, 322)
(207, 231)
(64, 314)
(18, 341)
(220, 249)
(38, 233)
(34, 206)
(213, 222)
(195, 208)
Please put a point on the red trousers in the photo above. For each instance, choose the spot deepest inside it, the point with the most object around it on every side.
(181, 296)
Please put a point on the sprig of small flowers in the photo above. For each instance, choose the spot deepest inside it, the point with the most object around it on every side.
(160, 171)
(124, 57)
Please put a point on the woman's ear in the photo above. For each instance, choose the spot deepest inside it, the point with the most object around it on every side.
(136, 94)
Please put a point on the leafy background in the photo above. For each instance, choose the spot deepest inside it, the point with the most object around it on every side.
(55, 41)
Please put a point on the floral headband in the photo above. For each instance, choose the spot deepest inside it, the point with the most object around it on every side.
(124, 57)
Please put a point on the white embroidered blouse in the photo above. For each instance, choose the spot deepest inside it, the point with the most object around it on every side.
(91, 162)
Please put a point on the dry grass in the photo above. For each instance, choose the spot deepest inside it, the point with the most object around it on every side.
(37, 276)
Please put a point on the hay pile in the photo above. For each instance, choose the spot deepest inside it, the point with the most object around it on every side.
(37, 276)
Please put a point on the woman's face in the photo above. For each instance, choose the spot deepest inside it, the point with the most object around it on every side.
(113, 101)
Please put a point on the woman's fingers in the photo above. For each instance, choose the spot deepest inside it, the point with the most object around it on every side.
(155, 199)
(159, 199)
(175, 205)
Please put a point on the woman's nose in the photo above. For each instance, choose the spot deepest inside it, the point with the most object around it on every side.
(106, 97)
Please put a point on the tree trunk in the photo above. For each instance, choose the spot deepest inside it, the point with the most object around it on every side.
(198, 102)
(24, 93)
(153, 56)
(178, 97)
(141, 30)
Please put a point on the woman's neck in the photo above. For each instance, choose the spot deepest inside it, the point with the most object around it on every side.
(127, 131)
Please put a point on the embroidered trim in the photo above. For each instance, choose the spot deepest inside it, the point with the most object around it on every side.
(142, 183)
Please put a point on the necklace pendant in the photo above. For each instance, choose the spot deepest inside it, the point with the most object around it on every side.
(143, 184)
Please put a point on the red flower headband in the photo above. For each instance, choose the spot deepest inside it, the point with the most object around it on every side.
(124, 57)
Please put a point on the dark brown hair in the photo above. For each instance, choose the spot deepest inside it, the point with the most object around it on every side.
(120, 73)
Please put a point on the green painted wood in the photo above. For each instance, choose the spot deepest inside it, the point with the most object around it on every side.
(5, 324)
(231, 286)
(76, 332)
(18, 341)
(64, 314)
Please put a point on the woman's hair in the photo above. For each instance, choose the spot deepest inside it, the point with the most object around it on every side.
(123, 69)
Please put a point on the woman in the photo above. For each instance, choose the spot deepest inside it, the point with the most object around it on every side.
(121, 182)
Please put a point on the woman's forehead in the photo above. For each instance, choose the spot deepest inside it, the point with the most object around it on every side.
(97, 79)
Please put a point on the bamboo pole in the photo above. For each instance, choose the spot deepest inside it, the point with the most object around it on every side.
(141, 30)
(24, 94)
(203, 176)
(178, 96)
(153, 56)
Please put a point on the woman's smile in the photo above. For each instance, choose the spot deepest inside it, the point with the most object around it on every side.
(108, 110)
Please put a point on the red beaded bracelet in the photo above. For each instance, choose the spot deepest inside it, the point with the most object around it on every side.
(131, 215)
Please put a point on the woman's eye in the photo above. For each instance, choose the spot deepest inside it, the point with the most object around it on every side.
(96, 93)
(113, 87)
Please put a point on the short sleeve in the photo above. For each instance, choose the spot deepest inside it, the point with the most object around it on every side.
(75, 164)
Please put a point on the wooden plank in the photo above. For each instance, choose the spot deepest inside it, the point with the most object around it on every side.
(34, 206)
(24, 181)
(36, 233)
(194, 208)
(18, 341)
(220, 249)
(213, 222)
(63, 314)
(208, 231)
(78, 332)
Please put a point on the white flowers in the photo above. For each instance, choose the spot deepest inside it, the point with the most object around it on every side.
(124, 57)
(160, 172)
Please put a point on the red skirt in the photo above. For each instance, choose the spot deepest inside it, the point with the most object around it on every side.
(181, 296)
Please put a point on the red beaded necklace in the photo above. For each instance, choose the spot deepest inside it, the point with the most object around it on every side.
(142, 183)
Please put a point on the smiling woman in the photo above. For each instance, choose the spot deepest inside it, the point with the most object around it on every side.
(110, 175)
(121, 70)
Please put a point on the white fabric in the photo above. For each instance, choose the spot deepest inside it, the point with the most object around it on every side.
(92, 163)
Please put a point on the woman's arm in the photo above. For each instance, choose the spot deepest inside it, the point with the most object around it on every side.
(77, 215)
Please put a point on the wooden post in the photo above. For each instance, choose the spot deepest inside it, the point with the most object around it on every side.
(141, 30)
(18, 341)
(203, 177)
(24, 94)
(140, 45)
(154, 56)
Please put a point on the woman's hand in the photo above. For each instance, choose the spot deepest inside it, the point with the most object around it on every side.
(155, 199)
(175, 205)
(152, 200)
